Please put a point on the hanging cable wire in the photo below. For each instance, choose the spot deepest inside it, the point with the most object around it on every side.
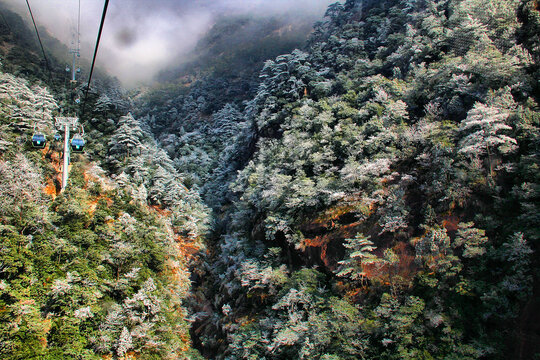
(95, 54)
(39, 39)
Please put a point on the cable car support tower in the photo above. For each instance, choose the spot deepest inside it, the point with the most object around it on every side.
(76, 50)
(67, 123)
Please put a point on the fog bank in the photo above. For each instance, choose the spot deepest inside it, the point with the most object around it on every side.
(142, 37)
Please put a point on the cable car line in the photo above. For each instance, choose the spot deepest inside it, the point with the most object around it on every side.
(39, 140)
(95, 54)
(77, 143)
(39, 39)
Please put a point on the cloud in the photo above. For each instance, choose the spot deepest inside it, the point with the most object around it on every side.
(142, 37)
(140, 43)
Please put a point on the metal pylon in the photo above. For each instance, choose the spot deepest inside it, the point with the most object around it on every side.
(67, 123)
(74, 67)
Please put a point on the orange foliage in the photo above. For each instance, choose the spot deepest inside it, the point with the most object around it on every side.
(187, 247)
(86, 177)
(47, 327)
(400, 274)
(330, 218)
(160, 210)
(451, 222)
(354, 293)
(43, 342)
(50, 188)
(318, 241)
(322, 241)
(93, 204)
(245, 321)
(334, 213)
(406, 268)
(328, 228)
(55, 161)
(128, 356)
(372, 271)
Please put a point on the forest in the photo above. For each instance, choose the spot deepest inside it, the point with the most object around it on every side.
(364, 187)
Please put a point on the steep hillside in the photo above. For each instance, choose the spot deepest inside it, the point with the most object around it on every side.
(233, 52)
(201, 102)
(387, 199)
(100, 270)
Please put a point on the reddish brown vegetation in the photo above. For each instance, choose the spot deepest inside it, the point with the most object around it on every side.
(187, 247)
(50, 188)
(403, 271)
(332, 233)
(451, 222)
(160, 210)
(93, 204)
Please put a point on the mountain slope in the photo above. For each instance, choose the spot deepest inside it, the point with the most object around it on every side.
(388, 210)
(100, 270)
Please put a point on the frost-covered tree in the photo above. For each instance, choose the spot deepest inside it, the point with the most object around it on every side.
(227, 123)
(21, 187)
(126, 140)
(484, 134)
(28, 106)
(471, 239)
(360, 254)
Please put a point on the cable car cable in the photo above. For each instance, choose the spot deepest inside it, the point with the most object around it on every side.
(95, 54)
(39, 39)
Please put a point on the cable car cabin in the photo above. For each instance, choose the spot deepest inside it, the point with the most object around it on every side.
(77, 144)
(57, 137)
(39, 141)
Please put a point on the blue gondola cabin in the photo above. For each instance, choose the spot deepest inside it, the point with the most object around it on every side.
(77, 144)
(39, 141)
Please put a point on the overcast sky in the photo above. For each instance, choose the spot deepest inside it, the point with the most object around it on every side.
(140, 37)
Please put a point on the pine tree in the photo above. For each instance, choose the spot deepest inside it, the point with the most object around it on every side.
(360, 253)
(126, 140)
(483, 134)
(125, 342)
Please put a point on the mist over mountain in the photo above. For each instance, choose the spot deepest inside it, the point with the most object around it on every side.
(143, 38)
